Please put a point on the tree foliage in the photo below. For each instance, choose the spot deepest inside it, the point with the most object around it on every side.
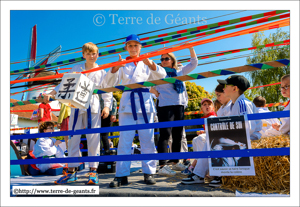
(195, 95)
(118, 95)
(263, 77)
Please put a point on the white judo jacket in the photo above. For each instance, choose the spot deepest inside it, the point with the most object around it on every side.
(132, 74)
(224, 110)
(285, 127)
(267, 129)
(45, 147)
(243, 106)
(98, 77)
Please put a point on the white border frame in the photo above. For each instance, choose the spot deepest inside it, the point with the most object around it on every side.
(6, 6)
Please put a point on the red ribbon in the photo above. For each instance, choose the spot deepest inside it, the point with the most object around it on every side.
(30, 110)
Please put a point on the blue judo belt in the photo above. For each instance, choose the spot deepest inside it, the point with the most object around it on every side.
(142, 103)
(89, 118)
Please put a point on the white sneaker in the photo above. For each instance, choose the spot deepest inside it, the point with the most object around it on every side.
(192, 179)
(179, 167)
(169, 169)
(166, 170)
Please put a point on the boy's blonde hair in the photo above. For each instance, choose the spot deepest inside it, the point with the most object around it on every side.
(89, 47)
(172, 56)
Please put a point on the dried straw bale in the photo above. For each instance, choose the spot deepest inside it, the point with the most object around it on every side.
(272, 173)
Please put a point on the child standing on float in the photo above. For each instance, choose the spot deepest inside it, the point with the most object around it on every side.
(86, 118)
(136, 107)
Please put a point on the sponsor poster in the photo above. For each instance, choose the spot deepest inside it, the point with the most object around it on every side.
(229, 133)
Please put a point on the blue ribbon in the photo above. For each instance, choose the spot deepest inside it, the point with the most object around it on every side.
(167, 124)
(142, 103)
(163, 156)
(136, 135)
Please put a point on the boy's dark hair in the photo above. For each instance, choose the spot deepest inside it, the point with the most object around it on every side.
(259, 101)
(241, 91)
(44, 125)
(220, 88)
(217, 105)
(285, 77)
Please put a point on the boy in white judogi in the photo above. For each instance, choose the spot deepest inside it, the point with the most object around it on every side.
(136, 107)
(235, 86)
(87, 118)
(267, 129)
(47, 147)
(224, 110)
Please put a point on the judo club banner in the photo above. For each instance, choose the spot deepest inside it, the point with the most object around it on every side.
(229, 133)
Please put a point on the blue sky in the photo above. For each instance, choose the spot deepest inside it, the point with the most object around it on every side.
(71, 29)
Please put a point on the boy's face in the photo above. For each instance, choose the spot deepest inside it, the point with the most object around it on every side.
(134, 48)
(207, 107)
(49, 128)
(221, 97)
(285, 88)
(230, 90)
(90, 56)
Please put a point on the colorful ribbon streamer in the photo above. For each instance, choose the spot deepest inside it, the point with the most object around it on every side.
(216, 54)
(30, 110)
(276, 104)
(272, 84)
(166, 124)
(177, 37)
(272, 25)
(271, 13)
(14, 129)
(267, 105)
(280, 43)
(240, 69)
(33, 89)
(137, 34)
(214, 73)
